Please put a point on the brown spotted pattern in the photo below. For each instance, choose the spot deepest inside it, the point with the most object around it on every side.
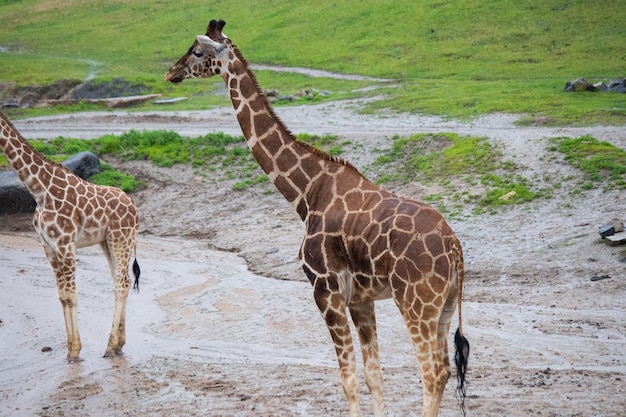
(72, 213)
(362, 243)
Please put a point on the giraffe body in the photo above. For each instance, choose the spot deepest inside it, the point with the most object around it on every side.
(362, 243)
(72, 213)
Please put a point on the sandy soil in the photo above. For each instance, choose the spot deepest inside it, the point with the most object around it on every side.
(225, 325)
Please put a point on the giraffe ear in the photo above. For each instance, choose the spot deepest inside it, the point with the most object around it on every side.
(206, 41)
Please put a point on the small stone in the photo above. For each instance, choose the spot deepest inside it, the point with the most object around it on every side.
(508, 196)
(607, 230)
(600, 277)
(616, 239)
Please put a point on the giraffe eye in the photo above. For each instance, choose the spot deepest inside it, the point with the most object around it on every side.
(198, 54)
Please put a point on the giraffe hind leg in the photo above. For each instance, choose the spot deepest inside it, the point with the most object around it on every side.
(434, 368)
(422, 321)
(443, 327)
(118, 263)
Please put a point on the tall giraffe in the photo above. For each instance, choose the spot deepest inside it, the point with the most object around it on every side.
(73, 213)
(362, 243)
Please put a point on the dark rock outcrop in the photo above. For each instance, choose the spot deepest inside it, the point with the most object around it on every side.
(15, 198)
(580, 84)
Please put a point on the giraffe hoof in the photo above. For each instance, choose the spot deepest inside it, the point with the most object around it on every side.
(113, 353)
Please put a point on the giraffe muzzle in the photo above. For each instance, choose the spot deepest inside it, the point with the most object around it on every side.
(173, 78)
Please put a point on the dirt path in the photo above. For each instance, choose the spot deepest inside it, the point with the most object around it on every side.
(213, 333)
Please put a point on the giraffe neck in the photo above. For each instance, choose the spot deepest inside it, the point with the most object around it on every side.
(273, 146)
(33, 170)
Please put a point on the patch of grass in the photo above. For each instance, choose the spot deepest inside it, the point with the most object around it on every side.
(112, 177)
(427, 158)
(603, 164)
(242, 185)
(469, 168)
(60, 146)
(163, 148)
(327, 143)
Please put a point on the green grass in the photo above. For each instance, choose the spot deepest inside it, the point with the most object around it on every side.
(226, 155)
(471, 173)
(470, 170)
(603, 164)
(111, 176)
(459, 58)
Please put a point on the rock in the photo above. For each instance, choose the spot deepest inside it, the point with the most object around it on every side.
(579, 84)
(15, 198)
(605, 231)
(614, 226)
(600, 277)
(507, 196)
(114, 102)
(616, 239)
(169, 100)
(84, 164)
(617, 86)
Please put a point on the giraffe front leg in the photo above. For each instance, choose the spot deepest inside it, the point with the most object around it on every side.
(68, 302)
(63, 263)
(333, 310)
(364, 318)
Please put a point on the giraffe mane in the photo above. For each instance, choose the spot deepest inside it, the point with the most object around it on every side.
(308, 147)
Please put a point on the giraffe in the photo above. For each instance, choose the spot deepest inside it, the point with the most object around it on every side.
(73, 213)
(361, 244)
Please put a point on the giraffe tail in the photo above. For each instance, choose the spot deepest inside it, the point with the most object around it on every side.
(461, 344)
(136, 272)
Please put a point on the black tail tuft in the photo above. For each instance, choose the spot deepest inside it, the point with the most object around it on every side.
(460, 359)
(136, 272)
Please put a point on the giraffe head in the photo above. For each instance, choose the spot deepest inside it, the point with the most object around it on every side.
(207, 57)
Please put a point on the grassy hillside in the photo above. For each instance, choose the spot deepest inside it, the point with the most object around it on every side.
(459, 57)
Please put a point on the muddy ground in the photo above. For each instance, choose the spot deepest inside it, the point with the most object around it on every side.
(225, 325)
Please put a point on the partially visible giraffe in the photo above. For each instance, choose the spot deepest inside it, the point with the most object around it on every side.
(73, 213)
(362, 243)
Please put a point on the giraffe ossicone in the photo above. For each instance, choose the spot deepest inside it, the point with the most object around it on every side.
(362, 243)
(72, 213)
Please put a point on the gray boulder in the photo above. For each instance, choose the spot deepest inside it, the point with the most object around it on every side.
(15, 198)
(618, 86)
(84, 164)
(579, 84)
